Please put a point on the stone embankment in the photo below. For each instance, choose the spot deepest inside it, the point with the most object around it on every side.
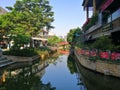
(22, 59)
(25, 60)
(106, 68)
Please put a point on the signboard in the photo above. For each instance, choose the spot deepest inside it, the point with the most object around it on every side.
(115, 56)
(82, 51)
(87, 52)
(78, 51)
(93, 53)
(104, 55)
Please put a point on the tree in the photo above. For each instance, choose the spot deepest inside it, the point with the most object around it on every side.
(70, 35)
(74, 34)
(54, 40)
(27, 18)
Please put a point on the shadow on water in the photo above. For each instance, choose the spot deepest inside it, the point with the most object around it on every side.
(96, 81)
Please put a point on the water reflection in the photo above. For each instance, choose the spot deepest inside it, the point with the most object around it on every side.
(27, 77)
(75, 70)
(97, 81)
(28, 82)
(63, 74)
(58, 73)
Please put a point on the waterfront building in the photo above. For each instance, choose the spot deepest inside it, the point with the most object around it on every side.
(2, 11)
(42, 38)
(105, 20)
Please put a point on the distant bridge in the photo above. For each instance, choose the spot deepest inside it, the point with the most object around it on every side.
(63, 43)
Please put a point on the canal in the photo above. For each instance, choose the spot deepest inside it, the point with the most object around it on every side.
(62, 75)
(56, 73)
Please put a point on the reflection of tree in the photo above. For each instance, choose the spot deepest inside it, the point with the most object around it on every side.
(25, 81)
(21, 82)
(74, 69)
(71, 64)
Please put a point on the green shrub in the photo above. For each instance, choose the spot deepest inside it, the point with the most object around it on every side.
(23, 52)
(103, 43)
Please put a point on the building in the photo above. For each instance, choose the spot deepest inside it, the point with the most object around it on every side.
(42, 38)
(104, 21)
(2, 11)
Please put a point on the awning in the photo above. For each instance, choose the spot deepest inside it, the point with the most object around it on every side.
(106, 4)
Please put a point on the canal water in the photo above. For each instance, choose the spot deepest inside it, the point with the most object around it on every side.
(56, 73)
(62, 75)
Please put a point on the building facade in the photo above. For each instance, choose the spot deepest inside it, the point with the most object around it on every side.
(105, 20)
(2, 11)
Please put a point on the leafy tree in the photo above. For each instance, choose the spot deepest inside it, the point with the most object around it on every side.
(27, 18)
(77, 34)
(54, 40)
(74, 34)
(20, 40)
(70, 35)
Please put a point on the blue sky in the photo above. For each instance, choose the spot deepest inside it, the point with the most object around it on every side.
(68, 14)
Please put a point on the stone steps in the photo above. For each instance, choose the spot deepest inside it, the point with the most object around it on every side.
(5, 61)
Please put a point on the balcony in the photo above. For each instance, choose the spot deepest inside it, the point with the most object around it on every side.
(94, 23)
(111, 24)
(108, 28)
(91, 23)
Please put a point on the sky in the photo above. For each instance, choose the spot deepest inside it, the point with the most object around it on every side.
(68, 14)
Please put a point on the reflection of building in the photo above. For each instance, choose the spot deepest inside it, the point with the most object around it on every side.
(104, 21)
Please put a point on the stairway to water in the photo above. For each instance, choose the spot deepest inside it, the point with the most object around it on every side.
(4, 61)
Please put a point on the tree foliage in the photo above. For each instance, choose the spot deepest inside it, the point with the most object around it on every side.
(54, 40)
(70, 35)
(74, 34)
(26, 19)
(103, 43)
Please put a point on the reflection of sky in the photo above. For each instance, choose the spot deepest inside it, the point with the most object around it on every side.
(59, 76)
